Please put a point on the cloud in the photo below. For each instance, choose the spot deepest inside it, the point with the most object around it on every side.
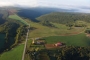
(82, 5)
(6, 4)
(47, 3)
(30, 3)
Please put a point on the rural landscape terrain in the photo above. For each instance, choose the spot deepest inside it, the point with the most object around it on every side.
(44, 34)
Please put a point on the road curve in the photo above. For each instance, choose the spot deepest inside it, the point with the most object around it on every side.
(25, 43)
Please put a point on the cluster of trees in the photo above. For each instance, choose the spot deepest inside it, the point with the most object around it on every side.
(64, 18)
(47, 23)
(65, 53)
(76, 24)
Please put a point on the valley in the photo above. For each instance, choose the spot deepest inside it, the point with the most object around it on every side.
(44, 29)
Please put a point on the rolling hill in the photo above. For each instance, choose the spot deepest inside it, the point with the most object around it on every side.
(64, 17)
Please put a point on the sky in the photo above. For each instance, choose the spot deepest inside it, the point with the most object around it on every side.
(81, 5)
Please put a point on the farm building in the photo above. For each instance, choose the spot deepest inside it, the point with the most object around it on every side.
(38, 42)
(59, 44)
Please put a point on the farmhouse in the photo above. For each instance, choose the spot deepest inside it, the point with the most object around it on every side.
(59, 44)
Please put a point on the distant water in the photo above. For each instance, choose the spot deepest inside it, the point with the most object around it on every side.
(2, 40)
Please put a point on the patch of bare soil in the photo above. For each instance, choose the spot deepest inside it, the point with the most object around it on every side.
(49, 46)
(88, 35)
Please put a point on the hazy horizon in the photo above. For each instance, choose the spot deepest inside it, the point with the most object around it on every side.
(80, 5)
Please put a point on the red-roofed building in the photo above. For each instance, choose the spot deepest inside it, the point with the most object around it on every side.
(59, 44)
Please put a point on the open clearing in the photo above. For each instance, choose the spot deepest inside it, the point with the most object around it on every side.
(16, 17)
(14, 54)
(44, 31)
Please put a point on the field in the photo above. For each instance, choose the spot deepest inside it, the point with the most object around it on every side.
(16, 17)
(44, 31)
(75, 40)
(14, 54)
(2, 41)
(75, 36)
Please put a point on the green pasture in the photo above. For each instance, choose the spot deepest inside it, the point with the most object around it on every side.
(75, 40)
(14, 54)
(16, 17)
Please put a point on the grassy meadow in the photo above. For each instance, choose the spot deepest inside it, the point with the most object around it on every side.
(16, 17)
(44, 31)
(2, 41)
(75, 40)
(14, 54)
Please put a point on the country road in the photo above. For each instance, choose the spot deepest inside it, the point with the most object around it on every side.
(25, 44)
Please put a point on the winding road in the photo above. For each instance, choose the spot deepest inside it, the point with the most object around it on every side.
(25, 43)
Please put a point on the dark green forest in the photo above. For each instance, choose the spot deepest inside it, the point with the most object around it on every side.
(65, 53)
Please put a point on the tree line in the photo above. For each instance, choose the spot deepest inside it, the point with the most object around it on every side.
(65, 53)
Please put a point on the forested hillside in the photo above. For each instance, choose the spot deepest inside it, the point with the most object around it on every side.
(64, 17)
(11, 30)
